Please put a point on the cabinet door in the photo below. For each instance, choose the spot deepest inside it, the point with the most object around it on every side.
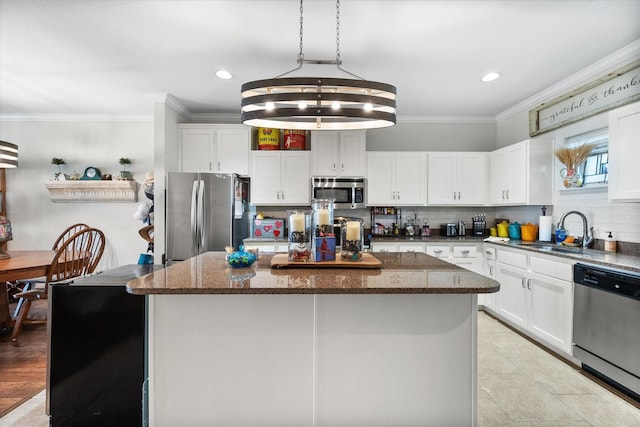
(410, 179)
(380, 179)
(441, 179)
(265, 177)
(518, 170)
(512, 298)
(196, 148)
(352, 158)
(295, 181)
(488, 270)
(499, 177)
(324, 153)
(232, 151)
(471, 178)
(624, 152)
(551, 310)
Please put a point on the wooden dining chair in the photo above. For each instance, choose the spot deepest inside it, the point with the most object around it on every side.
(78, 256)
(24, 285)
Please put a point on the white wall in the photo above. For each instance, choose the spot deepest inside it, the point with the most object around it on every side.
(446, 136)
(36, 220)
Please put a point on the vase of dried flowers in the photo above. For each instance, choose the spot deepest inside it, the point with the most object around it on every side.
(572, 158)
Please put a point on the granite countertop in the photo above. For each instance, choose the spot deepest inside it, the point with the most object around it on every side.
(431, 239)
(590, 256)
(400, 273)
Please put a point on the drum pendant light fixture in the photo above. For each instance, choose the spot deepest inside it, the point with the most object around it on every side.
(8, 155)
(318, 103)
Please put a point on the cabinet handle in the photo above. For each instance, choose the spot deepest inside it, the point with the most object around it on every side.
(464, 251)
(398, 195)
(437, 251)
(334, 166)
(454, 195)
(502, 194)
(278, 194)
(218, 164)
(529, 284)
(491, 270)
(522, 281)
(341, 167)
(282, 194)
(412, 251)
(459, 198)
(487, 252)
(210, 166)
(507, 194)
(384, 250)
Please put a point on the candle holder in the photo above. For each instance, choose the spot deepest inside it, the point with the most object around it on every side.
(324, 238)
(299, 236)
(352, 240)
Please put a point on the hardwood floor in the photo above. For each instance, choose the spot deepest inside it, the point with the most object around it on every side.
(22, 368)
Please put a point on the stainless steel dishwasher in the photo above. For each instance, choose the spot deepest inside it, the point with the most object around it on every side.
(606, 325)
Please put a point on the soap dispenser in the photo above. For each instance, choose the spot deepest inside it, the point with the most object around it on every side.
(610, 245)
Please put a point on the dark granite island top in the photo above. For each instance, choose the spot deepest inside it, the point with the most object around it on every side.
(400, 273)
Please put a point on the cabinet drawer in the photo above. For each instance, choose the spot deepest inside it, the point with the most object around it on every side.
(465, 251)
(438, 251)
(410, 248)
(377, 247)
(490, 253)
(549, 267)
(515, 259)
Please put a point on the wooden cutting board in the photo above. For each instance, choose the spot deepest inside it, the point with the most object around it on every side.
(368, 261)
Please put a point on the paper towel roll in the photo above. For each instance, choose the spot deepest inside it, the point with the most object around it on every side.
(544, 231)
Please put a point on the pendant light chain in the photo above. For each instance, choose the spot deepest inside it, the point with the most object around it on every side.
(338, 32)
(300, 55)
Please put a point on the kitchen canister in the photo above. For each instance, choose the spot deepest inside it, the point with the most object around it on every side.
(268, 139)
(514, 231)
(295, 139)
(529, 232)
(503, 229)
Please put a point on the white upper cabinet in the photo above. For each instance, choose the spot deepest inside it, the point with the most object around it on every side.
(280, 178)
(457, 178)
(521, 174)
(624, 152)
(336, 153)
(215, 148)
(396, 178)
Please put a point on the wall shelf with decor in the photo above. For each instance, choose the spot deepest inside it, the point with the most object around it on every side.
(93, 191)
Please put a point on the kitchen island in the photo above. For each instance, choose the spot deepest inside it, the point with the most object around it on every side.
(308, 346)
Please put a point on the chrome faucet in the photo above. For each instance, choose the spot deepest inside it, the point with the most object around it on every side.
(587, 239)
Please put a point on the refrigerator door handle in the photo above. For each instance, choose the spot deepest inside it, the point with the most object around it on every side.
(201, 222)
(194, 216)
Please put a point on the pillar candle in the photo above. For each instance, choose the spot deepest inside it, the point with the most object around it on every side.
(353, 230)
(297, 222)
(323, 216)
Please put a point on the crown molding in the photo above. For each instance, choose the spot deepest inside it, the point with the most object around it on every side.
(608, 64)
(76, 117)
(446, 119)
(228, 118)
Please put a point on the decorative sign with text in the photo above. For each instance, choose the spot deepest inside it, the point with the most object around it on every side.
(614, 90)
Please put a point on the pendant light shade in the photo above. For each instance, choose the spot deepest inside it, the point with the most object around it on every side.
(318, 103)
(8, 155)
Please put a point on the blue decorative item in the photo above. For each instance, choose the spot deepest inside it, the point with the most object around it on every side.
(241, 258)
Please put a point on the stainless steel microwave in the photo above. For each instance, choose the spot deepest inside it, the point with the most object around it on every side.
(347, 193)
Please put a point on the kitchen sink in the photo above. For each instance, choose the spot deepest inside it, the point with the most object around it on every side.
(550, 247)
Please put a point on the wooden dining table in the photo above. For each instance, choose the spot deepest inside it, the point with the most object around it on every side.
(22, 265)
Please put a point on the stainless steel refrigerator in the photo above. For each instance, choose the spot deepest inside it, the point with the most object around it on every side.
(205, 212)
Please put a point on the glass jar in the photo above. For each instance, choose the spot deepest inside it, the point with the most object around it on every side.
(299, 235)
(352, 240)
(324, 238)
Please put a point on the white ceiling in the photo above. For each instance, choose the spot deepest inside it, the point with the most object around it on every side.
(71, 57)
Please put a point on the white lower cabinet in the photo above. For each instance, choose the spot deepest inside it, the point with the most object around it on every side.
(536, 296)
(488, 301)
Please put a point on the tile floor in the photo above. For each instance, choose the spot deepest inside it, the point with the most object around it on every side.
(519, 384)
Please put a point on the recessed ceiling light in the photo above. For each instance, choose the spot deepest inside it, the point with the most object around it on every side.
(489, 77)
(224, 74)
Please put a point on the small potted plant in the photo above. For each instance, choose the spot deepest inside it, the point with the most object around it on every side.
(124, 173)
(58, 162)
